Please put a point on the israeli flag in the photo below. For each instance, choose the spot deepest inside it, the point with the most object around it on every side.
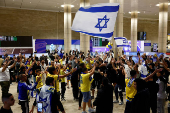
(96, 20)
(121, 42)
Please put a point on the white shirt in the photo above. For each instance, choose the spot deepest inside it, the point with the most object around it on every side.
(127, 69)
(43, 67)
(4, 76)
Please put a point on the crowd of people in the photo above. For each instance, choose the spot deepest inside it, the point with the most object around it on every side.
(145, 83)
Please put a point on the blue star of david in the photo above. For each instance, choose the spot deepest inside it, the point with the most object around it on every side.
(100, 20)
(44, 101)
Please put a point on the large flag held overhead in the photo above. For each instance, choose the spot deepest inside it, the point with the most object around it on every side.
(121, 42)
(96, 20)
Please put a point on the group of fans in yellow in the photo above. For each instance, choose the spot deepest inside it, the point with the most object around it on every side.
(46, 78)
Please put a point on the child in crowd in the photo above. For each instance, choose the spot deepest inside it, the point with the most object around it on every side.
(38, 73)
(63, 84)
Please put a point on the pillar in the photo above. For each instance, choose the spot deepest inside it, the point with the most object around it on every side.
(114, 48)
(163, 22)
(67, 28)
(84, 39)
(118, 31)
(134, 23)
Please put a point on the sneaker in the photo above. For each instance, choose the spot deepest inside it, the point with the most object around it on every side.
(91, 110)
(79, 108)
(76, 99)
(62, 99)
(84, 112)
(121, 103)
(116, 101)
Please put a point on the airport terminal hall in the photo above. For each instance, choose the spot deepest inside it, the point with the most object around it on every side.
(84, 56)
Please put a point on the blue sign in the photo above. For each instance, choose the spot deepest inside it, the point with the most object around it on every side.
(147, 44)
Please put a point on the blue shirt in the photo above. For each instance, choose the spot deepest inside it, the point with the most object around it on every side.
(23, 87)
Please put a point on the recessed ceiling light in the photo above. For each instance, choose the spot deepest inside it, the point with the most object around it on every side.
(63, 5)
(13, 0)
(158, 4)
(55, 6)
(155, 14)
(137, 12)
(30, 2)
(144, 11)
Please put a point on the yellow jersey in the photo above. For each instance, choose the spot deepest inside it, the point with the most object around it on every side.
(60, 61)
(81, 61)
(130, 89)
(62, 73)
(56, 81)
(85, 82)
(40, 83)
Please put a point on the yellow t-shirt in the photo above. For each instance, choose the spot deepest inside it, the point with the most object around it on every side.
(60, 61)
(62, 73)
(40, 83)
(56, 81)
(88, 66)
(92, 61)
(130, 89)
(85, 83)
(81, 61)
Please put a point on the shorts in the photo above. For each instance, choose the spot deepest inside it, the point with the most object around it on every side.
(69, 77)
(96, 83)
(86, 96)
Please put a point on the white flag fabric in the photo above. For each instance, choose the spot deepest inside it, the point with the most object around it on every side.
(97, 20)
(121, 42)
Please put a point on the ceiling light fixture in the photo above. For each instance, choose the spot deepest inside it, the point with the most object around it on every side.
(131, 12)
(144, 11)
(158, 4)
(63, 5)
(30, 2)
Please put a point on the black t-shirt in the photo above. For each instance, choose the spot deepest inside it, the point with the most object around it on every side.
(2, 110)
(97, 75)
(120, 78)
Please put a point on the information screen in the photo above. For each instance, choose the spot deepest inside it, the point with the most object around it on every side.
(16, 41)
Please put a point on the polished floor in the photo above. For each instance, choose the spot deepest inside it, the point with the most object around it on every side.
(70, 105)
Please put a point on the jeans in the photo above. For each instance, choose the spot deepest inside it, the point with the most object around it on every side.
(160, 105)
(118, 90)
(5, 87)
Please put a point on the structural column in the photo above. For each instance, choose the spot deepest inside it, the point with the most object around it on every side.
(134, 23)
(67, 28)
(114, 48)
(118, 31)
(163, 22)
(84, 39)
